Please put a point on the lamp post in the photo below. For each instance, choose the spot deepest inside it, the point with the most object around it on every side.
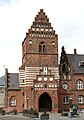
(27, 98)
(70, 102)
(71, 106)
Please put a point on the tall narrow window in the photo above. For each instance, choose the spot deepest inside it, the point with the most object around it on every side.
(66, 100)
(80, 99)
(42, 47)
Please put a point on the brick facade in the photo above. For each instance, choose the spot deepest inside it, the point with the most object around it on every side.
(71, 74)
(39, 73)
(38, 84)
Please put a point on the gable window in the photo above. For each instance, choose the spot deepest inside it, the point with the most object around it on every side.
(42, 47)
(79, 84)
(66, 100)
(80, 99)
(13, 102)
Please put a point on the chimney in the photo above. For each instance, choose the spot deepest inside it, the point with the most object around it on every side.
(75, 51)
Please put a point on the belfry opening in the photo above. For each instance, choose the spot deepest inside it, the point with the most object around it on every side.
(45, 103)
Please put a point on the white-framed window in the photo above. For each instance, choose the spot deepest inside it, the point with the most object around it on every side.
(13, 101)
(80, 99)
(66, 100)
(79, 84)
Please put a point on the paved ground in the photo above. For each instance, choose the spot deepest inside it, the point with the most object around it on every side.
(53, 116)
(14, 117)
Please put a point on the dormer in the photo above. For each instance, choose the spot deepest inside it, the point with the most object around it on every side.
(81, 64)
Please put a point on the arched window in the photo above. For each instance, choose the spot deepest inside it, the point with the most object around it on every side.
(80, 99)
(12, 101)
(42, 47)
(66, 100)
(79, 84)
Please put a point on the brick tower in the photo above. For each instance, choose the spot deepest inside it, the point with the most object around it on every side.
(39, 73)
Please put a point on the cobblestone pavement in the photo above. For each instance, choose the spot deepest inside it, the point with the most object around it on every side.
(52, 116)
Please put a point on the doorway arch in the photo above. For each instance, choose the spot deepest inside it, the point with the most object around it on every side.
(45, 103)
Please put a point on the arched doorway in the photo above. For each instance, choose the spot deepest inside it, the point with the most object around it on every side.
(45, 103)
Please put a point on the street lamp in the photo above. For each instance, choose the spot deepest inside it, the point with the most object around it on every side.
(70, 102)
(71, 106)
(27, 98)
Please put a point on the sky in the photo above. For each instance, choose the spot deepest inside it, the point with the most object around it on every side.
(16, 17)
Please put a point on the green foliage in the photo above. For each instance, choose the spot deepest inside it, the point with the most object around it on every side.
(14, 111)
(30, 113)
(25, 111)
(2, 112)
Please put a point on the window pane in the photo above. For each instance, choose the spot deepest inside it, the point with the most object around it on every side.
(79, 84)
(13, 101)
(65, 100)
(80, 99)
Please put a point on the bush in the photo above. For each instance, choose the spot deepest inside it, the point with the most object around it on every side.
(25, 111)
(2, 112)
(14, 111)
(30, 113)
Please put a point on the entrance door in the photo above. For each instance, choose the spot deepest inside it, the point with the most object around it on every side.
(45, 103)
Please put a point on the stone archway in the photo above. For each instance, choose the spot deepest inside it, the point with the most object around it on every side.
(45, 103)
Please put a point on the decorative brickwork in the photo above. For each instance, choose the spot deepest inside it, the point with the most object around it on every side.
(39, 72)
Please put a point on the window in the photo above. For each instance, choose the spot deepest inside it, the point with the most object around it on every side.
(80, 99)
(42, 47)
(13, 101)
(79, 84)
(66, 100)
(23, 93)
(81, 64)
(23, 105)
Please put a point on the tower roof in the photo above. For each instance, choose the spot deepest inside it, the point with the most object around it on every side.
(41, 27)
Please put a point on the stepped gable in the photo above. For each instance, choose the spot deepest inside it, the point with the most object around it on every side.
(41, 28)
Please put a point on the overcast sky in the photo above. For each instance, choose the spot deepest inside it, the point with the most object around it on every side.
(16, 17)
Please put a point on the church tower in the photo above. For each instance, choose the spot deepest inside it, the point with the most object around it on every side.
(39, 73)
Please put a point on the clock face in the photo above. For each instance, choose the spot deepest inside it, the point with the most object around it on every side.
(64, 86)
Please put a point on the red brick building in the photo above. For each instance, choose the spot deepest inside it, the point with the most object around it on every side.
(41, 83)
(71, 80)
(37, 84)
